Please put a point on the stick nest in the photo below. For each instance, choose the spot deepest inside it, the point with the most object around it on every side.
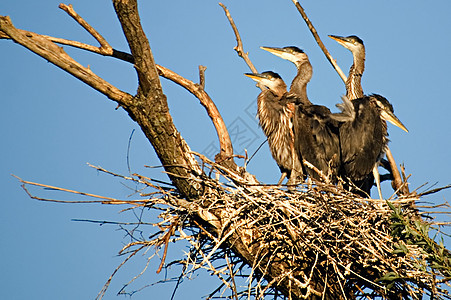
(313, 241)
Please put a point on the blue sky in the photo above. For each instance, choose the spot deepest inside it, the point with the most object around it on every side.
(52, 125)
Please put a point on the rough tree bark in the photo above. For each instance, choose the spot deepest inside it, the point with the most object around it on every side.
(149, 107)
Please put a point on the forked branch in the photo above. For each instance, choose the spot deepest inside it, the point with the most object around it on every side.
(239, 46)
(71, 12)
(51, 52)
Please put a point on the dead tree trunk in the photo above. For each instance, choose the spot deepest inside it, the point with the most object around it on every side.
(149, 106)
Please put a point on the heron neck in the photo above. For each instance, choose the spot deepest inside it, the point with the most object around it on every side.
(279, 91)
(354, 82)
(299, 84)
(385, 139)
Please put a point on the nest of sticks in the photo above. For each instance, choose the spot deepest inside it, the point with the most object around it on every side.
(321, 237)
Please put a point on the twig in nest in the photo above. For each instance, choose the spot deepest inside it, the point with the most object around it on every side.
(106, 200)
(107, 284)
(318, 171)
(167, 236)
(434, 190)
(232, 277)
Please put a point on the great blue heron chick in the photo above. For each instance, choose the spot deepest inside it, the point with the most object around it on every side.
(300, 59)
(364, 137)
(275, 118)
(316, 135)
(354, 82)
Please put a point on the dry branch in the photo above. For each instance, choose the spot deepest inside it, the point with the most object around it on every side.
(397, 183)
(148, 108)
(213, 112)
(239, 47)
(104, 46)
(56, 55)
(319, 42)
(202, 76)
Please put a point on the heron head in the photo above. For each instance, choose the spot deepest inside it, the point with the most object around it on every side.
(271, 80)
(290, 53)
(387, 111)
(352, 43)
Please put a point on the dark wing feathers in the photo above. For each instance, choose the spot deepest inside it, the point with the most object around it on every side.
(361, 140)
(316, 137)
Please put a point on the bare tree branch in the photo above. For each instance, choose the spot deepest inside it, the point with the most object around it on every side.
(196, 89)
(60, 58)
(150, 108)
(104, 200)
(239, 47)
(202, 76)
(319, 42)
(104, 46)
(397, 182)
(213, 112)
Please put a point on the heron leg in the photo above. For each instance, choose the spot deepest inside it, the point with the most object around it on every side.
(378, 180)
(291, 183)
(282, 177)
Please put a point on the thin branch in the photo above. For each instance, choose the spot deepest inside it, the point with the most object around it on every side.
(165, 240)
(318, 171)
(232, 277)
(98, 50)
(104, 46)
(434, 191)
(106, 200)
(110, 222)
(107, 284)
(56, 55)
(213, 112)
(239, 47)
(397, 181)
(318, 40)
(202, 76)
